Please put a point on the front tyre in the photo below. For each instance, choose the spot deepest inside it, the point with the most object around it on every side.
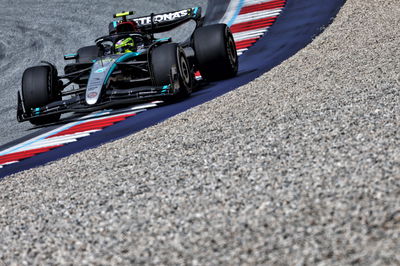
(215, 52)
(39, 88)
(163, 59)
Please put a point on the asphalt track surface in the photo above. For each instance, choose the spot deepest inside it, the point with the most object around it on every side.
(306, 172)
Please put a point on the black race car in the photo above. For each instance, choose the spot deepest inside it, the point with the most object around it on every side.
(105, 75)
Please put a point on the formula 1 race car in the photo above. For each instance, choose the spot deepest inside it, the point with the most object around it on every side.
(129, 65)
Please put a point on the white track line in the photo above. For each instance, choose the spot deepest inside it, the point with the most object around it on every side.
(258, 15)
(255, 2)
(245, 35)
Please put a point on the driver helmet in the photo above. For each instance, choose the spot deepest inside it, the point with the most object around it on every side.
(125, 45)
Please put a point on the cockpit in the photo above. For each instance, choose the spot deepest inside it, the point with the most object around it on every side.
(121, 43)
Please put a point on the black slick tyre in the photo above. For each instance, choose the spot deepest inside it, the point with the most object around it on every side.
(163, 58)
(215, 52)
(39, 88)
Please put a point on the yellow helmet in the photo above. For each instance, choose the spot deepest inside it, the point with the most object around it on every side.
(126, 45)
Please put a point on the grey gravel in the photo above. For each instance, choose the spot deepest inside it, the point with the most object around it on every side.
(301, 166)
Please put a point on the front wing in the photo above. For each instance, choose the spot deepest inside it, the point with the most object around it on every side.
(111, 98)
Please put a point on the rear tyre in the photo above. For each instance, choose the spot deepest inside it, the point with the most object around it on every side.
(39, 88)
(215, 52)
(87, 54)
(163, 58)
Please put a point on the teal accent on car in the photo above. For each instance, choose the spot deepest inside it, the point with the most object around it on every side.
(165, 89)
(100, 70)
(36, 111)
(71, 55)
(162, 39)
(123, 58)
(196, 10)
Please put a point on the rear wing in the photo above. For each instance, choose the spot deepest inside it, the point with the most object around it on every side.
(157, 23)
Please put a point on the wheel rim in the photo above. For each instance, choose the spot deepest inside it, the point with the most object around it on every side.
(184, 70)
(232, 55)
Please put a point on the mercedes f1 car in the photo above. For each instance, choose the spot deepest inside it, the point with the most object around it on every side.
(129, 65)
